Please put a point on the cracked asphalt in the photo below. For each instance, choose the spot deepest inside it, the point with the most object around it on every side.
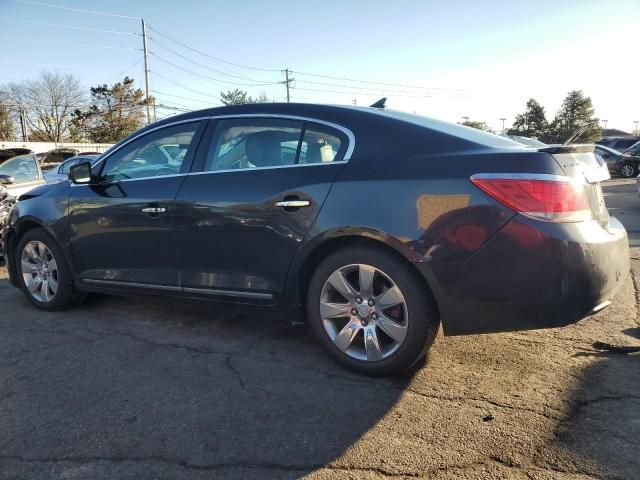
(149, 388)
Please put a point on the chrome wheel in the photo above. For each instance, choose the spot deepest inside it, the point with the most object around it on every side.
(627, 170)
(39, 271)
(364, 312)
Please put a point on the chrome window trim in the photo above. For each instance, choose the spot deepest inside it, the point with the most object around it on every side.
(325, 164)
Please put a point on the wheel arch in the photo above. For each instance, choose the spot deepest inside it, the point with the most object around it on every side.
(331, 242)
(21, 227)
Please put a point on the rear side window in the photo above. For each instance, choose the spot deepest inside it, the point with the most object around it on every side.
(22, 169)
(240, 144)
(321, 144)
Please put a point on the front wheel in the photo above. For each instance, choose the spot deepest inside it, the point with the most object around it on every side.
(370, 311)
(43, 274)
(628, 170)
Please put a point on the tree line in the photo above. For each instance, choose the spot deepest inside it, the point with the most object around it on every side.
(55, 107)
(576, 110)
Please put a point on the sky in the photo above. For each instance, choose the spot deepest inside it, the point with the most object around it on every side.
(443, 59)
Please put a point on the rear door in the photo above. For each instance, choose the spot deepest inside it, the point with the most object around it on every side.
(242, 215)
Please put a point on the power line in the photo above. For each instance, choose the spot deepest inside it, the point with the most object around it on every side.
(57, 65)
(215, 80)
(376, 83)
(73, 27)
(207, 67)
(357, 93)
(178, 96)
(359, 88)
(127, 69)
(10, 37)
(180, 85)
(212, 57)
(76, 9)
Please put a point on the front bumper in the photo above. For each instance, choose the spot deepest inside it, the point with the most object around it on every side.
(531, 275)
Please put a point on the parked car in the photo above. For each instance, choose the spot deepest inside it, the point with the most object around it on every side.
(20, 174)
(61, 173)
(54, 158)
(630, 161)
(611, 157)
(380, 225)
(617, 143)
(7, 153)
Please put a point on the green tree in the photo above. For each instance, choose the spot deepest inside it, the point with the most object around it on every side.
(236, 97)
(114, 113)
(478, 125)
(532, 123)
(576, 110)
(7, 132)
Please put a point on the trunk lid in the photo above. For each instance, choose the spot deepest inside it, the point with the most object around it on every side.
(580, 163)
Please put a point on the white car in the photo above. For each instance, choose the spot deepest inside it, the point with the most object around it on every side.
(61, 173)
(20, 174)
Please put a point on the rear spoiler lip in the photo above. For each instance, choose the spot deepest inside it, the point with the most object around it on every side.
(578, 148)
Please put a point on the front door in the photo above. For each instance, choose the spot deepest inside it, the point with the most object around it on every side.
(242, 216)
(122, 227)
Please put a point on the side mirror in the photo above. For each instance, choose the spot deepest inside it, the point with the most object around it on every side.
(6, 179)
(80, 173)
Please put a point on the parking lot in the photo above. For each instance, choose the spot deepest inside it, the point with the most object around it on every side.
(149, 388)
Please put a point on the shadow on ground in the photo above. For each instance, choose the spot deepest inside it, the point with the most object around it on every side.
(122, 389)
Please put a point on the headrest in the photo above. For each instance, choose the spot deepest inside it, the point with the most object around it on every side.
(263, 148)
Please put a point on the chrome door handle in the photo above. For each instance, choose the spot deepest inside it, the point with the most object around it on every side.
(154, 210)
(293, 203)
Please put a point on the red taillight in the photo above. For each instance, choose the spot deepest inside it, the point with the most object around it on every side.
(545, 197)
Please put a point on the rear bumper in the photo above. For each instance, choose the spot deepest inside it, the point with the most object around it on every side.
(531, 275)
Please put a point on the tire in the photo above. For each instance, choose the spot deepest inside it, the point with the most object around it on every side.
(414, 322)
(65, 294)
(628, 170)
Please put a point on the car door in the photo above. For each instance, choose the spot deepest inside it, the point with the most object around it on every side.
(25, 172)
(122, 224)
(258, 186)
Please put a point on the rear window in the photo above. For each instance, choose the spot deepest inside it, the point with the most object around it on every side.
(466, 133)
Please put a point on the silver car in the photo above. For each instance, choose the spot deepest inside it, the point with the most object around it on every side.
(61, 173)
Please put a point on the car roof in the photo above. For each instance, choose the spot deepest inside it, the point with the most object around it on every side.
(348, 115)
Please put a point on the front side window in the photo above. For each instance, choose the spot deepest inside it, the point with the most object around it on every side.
(156, 154)
(253, 143)
(23, 169)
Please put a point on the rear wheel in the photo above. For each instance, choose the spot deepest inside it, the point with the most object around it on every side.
(43, 273)
(628, 170)
(370, 311)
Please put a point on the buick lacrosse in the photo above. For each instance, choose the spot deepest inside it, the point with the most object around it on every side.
(375, 226)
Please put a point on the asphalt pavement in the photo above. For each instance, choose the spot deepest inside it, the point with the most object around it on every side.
(148, 388)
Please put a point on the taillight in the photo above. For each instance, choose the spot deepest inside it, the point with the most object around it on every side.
(553, 198)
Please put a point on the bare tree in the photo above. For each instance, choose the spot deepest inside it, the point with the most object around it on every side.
(48, 102)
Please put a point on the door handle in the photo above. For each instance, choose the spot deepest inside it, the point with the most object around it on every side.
(293, 203)
(154, 210)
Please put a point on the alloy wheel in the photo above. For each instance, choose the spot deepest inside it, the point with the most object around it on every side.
(364, 312)
(39, 271)
(627, 170)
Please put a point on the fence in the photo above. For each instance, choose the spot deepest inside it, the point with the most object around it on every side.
(41, 147)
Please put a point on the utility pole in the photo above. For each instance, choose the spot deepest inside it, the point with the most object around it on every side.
(146, 69)
(503, 119)
(605, 125)
(287, 81)
(355, 102)
(23, 125)
(637, 132)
